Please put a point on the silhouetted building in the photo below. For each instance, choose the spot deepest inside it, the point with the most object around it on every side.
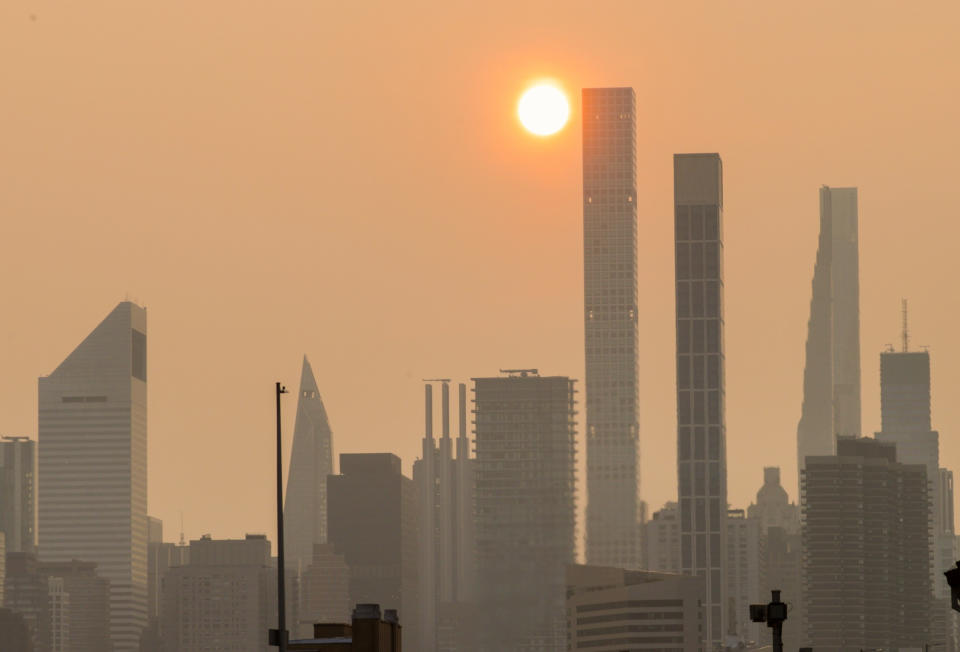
(93, 462)
(14, 631)
(368, 631)
(782, 570)
(161, 557)
(311, 461)
(26, 593)
(3, 565)
(744, 558)
(610, 325)
(18, 494)
(773, 507)
(701, 436)
(324, 589)
(865, 546)
(905, 422)
(79, 606)
(446, 517)
(526, 508)
(831, 377)
(223, 599)
(612, 609)
(661, 539)
(372, 512)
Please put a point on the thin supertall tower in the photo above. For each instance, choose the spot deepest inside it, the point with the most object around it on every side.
(610, 326)
(701, 427)
(311, 461)
(831, 377)
(93, 464)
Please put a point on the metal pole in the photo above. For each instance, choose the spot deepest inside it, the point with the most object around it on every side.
(281, 615)
(777, 627)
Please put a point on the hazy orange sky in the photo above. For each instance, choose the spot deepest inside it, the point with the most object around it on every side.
(349, 181)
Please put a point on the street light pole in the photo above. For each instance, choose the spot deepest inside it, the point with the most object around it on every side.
(281, 594)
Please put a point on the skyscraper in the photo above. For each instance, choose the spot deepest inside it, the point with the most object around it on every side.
(865, 549)
(610, 325)
(701, 429)
(526, 510)
(831, 377)
(18, 498)
(373, 524)
(93, 464)
(311, 461)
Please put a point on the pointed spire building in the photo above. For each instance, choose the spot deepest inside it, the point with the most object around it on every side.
(311, 461)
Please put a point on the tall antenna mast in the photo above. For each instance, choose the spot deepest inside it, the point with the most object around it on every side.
(906, 331)
(182, 542)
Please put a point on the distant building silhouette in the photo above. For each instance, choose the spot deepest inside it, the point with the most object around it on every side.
(782, 570)
(701, 435)
(223, 599)
(445, 494)
(661, 539)
(18, 493)
(773, 507)
(324, 590)
(372, 512)
(93, 464)
(79, 601)
(744, 559)
(311, 461)
(831, 377)
(161, 557)
(905, 422)
(14, 631)
(617, 609)
(526, 510)
(65, 605)
(610, 324)
(865, 547)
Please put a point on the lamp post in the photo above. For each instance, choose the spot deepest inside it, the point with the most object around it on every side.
(772, 613)
(278, 637)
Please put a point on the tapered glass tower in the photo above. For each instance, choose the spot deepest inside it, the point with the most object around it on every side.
(610, 325)
(93, 464)
(701, 427)
(831, 377)
(311, 461)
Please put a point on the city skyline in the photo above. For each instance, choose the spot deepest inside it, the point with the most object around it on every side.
(774, 158)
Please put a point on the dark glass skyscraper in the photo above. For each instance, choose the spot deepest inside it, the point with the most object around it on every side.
(610, 314)
(831, 377)
(701, 436)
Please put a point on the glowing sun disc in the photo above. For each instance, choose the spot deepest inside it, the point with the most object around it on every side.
(543, 110)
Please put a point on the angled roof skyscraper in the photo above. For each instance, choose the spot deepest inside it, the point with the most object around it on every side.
(311, 461)
(93, 464)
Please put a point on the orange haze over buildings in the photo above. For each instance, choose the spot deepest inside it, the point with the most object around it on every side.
(350, 181)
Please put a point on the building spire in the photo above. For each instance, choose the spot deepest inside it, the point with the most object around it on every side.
(906, 331)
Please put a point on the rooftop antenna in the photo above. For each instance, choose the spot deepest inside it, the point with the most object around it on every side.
(182, 541)
(906, 331)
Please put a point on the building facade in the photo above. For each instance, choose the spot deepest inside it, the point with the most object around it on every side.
(831, 376)
(865, 547)
(79, 611)
(324, 590)
(18, 493)
(526, 509)
(372, 512)
(610, 324)
(701, 426)
(446, 534)
(612, 609)
(223, 599)
(93, 464)
(773, 507)
(661, 538)
(744, 559)
(311, 461)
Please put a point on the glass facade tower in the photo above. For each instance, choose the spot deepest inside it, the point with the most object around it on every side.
(701, 435)
(610, 320)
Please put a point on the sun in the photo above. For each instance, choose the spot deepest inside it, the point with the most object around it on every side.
(543, 109)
